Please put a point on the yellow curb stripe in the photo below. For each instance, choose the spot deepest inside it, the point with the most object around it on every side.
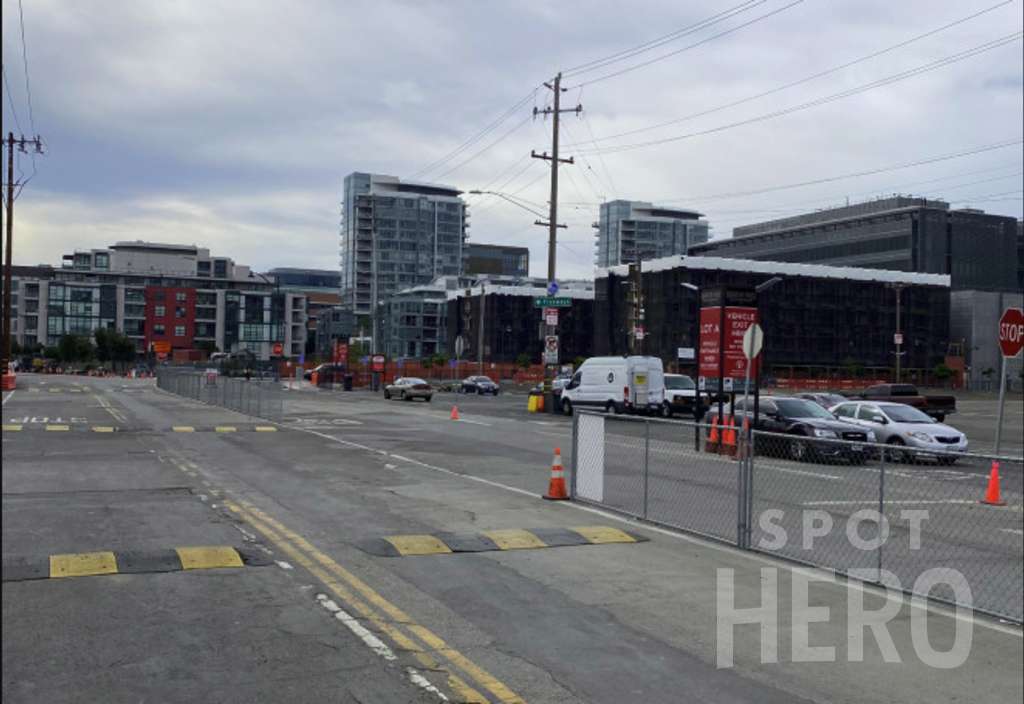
(12, 427)
(600, 535)
(58, 428)
(102, 429)
(183, 429)
(82, 564)
(514, 539)
(417, 545)
(225, 429)
(436, 644)
(265, 429)
(467, 693)
(208, 557)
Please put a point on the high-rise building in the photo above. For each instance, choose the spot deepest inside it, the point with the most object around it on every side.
(397, 235)
(632, 230)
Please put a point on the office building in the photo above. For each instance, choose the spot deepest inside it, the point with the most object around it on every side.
(632, 230)
(497, 260)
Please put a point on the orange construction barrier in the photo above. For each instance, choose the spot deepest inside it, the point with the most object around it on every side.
(556, 487)
(455, 413)
(992, 495)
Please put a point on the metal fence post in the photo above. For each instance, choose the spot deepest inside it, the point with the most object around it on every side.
(881, 512)
(575, 454)
(647, 460)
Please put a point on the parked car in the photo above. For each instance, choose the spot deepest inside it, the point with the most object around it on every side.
(814, 430)
(823, 399)
(337, 369)
(556, 387)
(409, 387)
(479, 385)
(682, 396)
(908, 433)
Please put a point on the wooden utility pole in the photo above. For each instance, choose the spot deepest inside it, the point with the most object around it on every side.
(552, 223)
(10, 143)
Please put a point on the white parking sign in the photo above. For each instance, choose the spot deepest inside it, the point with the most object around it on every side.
(551, 349)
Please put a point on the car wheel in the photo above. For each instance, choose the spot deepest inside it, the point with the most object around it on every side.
(666, 410)
(798, 449)
(387, 394)
(427, 398)
(894, 454)
(566, 406)
(404, 397)
(613, 408)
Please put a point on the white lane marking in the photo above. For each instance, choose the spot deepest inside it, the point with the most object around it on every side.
(284, 565)
(1002, 627)
(1015, 531)
(7, 398)
(419, 680)
(373, 642)
(474, 422)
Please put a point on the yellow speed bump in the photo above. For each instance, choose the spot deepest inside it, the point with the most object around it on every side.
(417, 544)
(225, 429)
(183, 429)
(11, 427)
(208, 557)
(61, 428)
(266, 429)
(514, 539)
(599, 535)
(82, 564)
(102, 429)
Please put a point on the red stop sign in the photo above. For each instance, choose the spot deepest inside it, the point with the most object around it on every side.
(1011, 332)
(278, 349)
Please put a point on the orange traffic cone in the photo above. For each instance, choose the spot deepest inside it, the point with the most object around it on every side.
(729, 438)
(992, 496)
(712, 443)
(455, 413)
(556, 487)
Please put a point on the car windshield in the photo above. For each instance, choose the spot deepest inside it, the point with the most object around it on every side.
(802, 408)
(679, 382)
(412, 380)
(901, 413)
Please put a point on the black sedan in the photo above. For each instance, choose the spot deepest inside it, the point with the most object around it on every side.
(479, 385)
(815, 433)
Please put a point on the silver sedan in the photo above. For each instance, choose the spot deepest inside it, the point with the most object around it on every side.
(409, 387)
(909, 434)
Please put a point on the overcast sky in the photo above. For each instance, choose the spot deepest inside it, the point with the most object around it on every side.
(231, 125)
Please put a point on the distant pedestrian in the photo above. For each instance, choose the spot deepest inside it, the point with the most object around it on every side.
(248, 373)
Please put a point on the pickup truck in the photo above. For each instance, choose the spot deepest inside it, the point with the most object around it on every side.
(938, 407)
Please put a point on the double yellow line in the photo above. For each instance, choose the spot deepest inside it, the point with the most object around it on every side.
(118, 416)
(429, 649)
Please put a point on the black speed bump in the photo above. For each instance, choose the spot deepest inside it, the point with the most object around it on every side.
(488, 541)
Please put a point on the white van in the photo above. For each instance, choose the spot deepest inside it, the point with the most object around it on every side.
(617, 385)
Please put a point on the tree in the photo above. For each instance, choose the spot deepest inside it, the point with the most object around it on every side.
(75, 348)
(853, 368)
(524, 361)
(208, 346)
(943, 372)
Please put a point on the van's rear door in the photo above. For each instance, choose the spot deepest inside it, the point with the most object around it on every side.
(639, 383)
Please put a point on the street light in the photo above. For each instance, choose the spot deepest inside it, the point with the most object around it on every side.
(509, 199)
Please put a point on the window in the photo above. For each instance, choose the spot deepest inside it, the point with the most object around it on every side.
(845, 411)
(181, 296)
(159, 329)
(159, 295)
(179, 331)
(179, 312)
(160, 311)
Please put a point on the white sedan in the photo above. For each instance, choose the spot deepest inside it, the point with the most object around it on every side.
(909, 434)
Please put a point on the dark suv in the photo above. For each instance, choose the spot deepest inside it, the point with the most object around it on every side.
(815, 431)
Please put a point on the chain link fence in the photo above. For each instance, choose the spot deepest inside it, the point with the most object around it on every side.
(858, 508)
(262, 397)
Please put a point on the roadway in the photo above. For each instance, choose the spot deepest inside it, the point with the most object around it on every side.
(97, 465)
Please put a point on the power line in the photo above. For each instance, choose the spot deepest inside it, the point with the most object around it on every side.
(661, 41)
(14, 110)
(476, 138)
(803, 80)
(24, 57)
(691, 46)
(974, 51)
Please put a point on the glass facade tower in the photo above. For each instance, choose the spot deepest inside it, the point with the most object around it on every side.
(631, 229)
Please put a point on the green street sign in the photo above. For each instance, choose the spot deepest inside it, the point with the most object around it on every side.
(552, 302)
